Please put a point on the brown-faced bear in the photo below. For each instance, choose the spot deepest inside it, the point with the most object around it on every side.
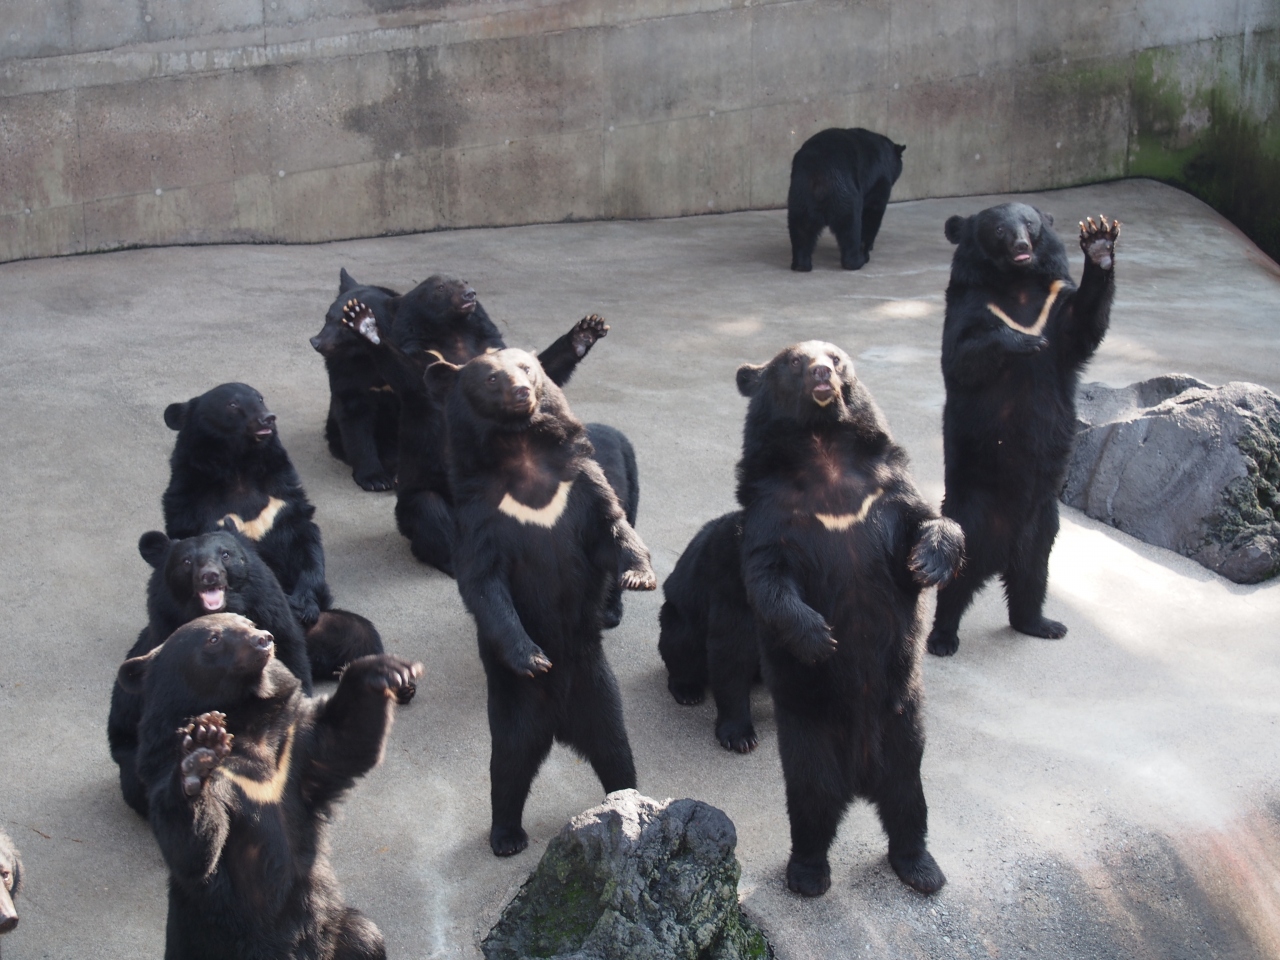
(708, 632)
(837, 547)
(10, 882)
(541, 538)
(440, 319)
(363, 424)
(840, 178)
(242, 771)
(1016, 336)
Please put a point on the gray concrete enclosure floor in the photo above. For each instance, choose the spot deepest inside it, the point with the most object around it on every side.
(1112, 794)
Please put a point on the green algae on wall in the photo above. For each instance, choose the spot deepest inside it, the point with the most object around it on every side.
(1206, 118)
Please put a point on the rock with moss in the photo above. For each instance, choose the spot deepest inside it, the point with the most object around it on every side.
(633, 879)
(1181, 464)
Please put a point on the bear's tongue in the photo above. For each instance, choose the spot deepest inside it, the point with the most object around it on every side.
(213, 600)
(1022, 258)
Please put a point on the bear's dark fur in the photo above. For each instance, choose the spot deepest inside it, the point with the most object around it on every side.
(364, 412)
(617, 458)
(541, 538)
(840, 178)
(242, 772)
(1017, 335)
(440, 319)
(837, 546)
(708, 633)
(10, 882)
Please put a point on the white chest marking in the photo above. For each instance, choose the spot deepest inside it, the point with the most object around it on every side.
(261, 525)
(839, 522)
(266, 791)
(1034, 330)
(547, 516)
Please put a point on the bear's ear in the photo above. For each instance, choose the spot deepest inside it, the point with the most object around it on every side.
(345, 282)
(175, 415)
(750, 376)
(153, 545)
(133, 672)
(440, 378)
(955, 228)
(899, 147)
(1046, 218)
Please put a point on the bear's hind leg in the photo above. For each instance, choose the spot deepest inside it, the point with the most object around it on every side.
(899, 798)
(733, 660)
(593, 723)
(356, 938)
(427, 520)
(1026, 579)
(804, 225)
(521, 731)
(817, 795)
(846, 225)
(683, 648)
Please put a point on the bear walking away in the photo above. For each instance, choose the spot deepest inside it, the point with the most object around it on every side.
(541, 538)
(1016, 336)
(440, 319)
(840, 178)
(708, 632)
(10, 882)
(837, 546)
(363, 423)
(242, 772)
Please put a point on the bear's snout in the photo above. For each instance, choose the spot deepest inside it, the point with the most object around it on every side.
(210, 576)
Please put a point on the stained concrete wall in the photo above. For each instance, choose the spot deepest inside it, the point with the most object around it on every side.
(126, 122)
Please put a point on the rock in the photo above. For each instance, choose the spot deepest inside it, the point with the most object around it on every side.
(1184, 465)
(633, 879)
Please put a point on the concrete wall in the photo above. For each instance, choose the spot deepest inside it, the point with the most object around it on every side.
(126, 122)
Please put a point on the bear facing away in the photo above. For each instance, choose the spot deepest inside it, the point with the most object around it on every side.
(840, 178)
(363, 423)
(708, 632)
(440, 319)
(541, 538)
(837, 547)
(1016, 336)
(10, 882)
(242, 772)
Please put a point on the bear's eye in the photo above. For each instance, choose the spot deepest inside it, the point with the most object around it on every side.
(525, 368)
(233, 405)
(999, 231)
(186, 561)
(795, 361)
(226, 554)
(213, 638)
(492, 378)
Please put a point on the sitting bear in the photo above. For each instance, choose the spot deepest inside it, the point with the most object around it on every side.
(541, 538)
(242, 772)
(840, 179)
(1016, 336)
(10, 882)
(708, 633)
(228, 466)
(440, 319)
(364, 413)
(837, 547)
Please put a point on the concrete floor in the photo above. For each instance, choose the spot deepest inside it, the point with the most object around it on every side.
(1113, 794)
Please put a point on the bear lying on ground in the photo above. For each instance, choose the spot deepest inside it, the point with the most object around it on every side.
(708, 632)
(10, 882)
(837, 547)
(840, 178)
(1016, 336)
(541, 538)
(242, 771)
(364, 413)
(441, 319)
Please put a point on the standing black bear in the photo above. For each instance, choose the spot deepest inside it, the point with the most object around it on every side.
(708, 633)
(364, 413)
(440, 319)
(840, 179)
(10, 882)
(240, 795)
(837, 546)
(541, 538)
(1016, 336)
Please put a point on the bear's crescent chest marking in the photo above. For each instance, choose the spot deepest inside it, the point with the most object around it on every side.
(266, 791)
(1035, 329)
(547, 516)
(261, 525)
(840, 522)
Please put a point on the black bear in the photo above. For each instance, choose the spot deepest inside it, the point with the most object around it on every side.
(837, 547)
(242, 771)
(708, 632)
(1016, 336)
(617, 458)
(840, 178)
(541, 538)
(440, 319)
(10, 882)
(364, 412)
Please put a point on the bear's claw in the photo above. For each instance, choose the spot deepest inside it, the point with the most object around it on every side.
(1098, 240)
(357, 317)
(205, 744)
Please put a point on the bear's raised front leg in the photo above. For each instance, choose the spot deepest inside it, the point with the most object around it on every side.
(205, 744)
(1098, 240)
(358, 317)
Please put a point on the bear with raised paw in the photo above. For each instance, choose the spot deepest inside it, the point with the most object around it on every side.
(1017, 334)
(242, 771)
(837, 549)
(541, 541)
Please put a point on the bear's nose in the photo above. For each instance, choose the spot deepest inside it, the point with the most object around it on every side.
(8, 923)
(315, 342)
(469, 294)
(521, 393)
(1023, 245)
(209, 578)
(820, 372)
(269, 419)
(264, 640)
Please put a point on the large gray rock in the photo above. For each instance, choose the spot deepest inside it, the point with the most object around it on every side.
(633, 879)
(1183, 465)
